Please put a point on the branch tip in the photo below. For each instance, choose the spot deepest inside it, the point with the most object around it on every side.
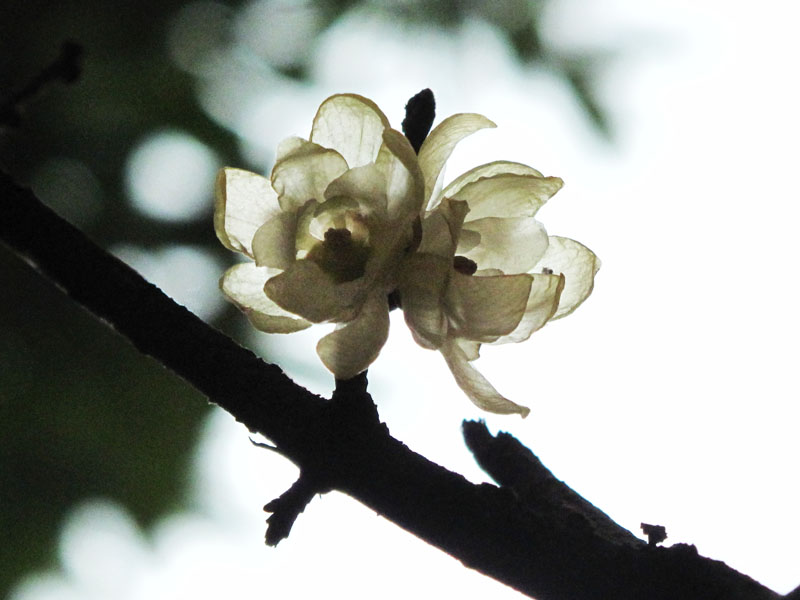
(287, 507)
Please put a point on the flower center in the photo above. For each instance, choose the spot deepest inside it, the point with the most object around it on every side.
(340, 256)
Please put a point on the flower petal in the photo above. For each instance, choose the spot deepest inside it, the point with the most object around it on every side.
(422, 286)
(244, 201)
(352, 347)
(579, 266)
(506, 195)
(439, 144)
(306, 290)
(243, 284)
(352, 125)
(403, 178)
(542, 304)
(484, 308)
(275, 244)
(366, 185)
(294, 146)
(512, 245)
(475, 385)
(500, 167)
(304, 175)
(441, 228)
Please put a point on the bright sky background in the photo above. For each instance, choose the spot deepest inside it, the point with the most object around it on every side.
(670, 397)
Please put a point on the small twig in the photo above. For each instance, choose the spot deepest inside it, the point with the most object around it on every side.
(349, 420)
(287, 507)
(515, 467)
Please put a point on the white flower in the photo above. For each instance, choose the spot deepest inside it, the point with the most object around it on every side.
(338, 228)
(486, 271)
(326, 232)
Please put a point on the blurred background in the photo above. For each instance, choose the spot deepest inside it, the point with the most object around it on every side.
(669, 397)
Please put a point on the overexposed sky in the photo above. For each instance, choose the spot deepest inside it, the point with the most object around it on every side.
(669, 397)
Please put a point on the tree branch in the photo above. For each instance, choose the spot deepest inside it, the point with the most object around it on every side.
(533, 533)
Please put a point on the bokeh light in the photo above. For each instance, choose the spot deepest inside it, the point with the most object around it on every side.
(170, 176)
(280, 32)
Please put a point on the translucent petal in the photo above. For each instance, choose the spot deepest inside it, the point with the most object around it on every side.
(512, 245)
(579, 266)
(243, 284)
(294, 146)
(542, 304)
(352, 125)
(500, 167)
(475, 385)
(403, 177)
(484, 308)
(244, 202)
(507, 195)
(422, 286)
(366, 185)
(277, 242)
(353, 346)
(441, 228)
(306, 290)
(439, 144)
(304, 240)
(305, 175)
(467, 240)
(274, 242)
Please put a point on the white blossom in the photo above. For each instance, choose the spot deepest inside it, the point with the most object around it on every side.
(326, 232)
(486, 271)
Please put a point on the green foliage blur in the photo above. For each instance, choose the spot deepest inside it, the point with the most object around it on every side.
(81, 413)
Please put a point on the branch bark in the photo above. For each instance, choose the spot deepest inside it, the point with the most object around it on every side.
(532, 533)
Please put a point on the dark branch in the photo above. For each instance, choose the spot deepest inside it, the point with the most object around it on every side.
(515, 467)
(552, 548)
(287, 507)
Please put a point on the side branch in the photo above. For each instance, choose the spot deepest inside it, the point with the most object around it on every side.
(549, 551)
